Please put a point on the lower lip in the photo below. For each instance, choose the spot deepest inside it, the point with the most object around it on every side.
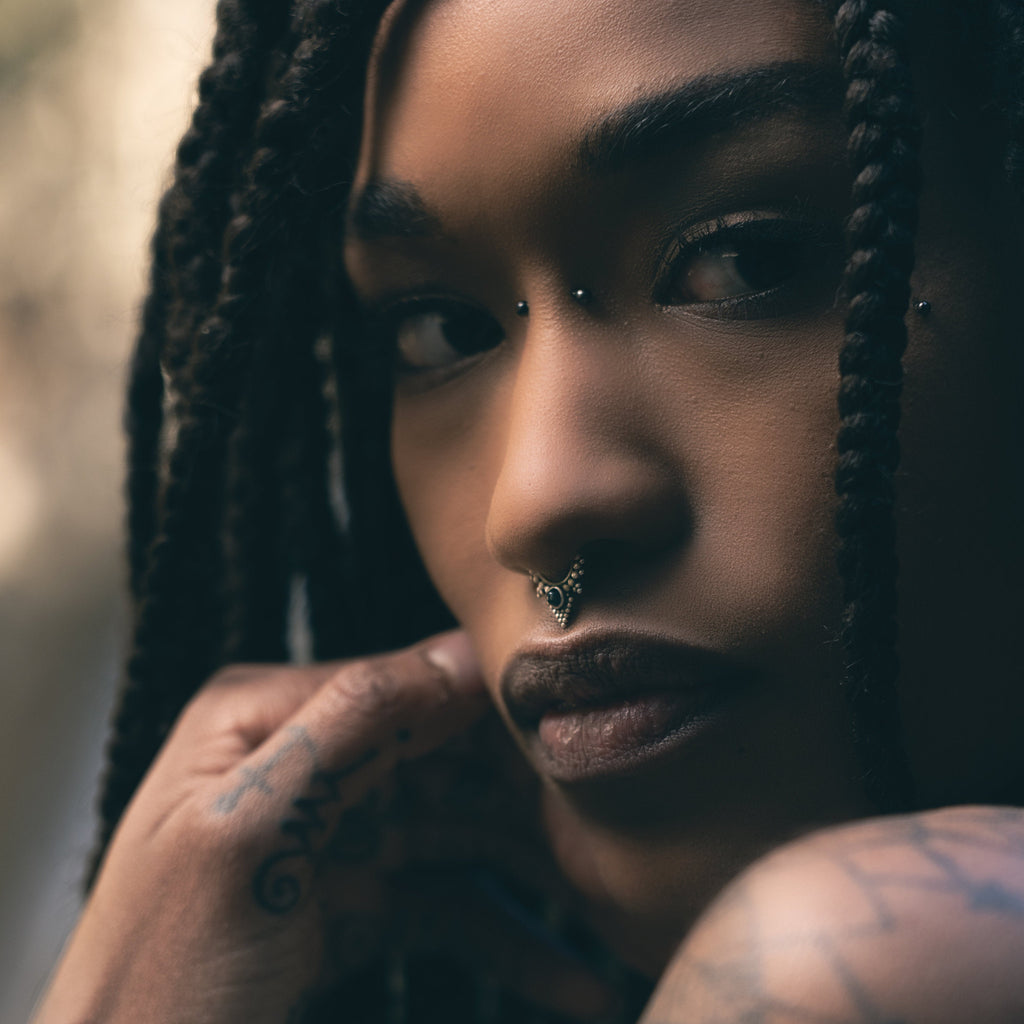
(617, 739)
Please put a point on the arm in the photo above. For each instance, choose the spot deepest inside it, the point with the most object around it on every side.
(910, 920)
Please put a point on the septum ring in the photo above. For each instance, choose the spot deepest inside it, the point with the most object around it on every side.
(561, 595)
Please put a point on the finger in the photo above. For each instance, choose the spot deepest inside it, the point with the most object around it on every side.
(233, 714)
(243, 705)
(363, 719)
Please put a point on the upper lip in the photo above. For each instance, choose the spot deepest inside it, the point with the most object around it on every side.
(601, 670)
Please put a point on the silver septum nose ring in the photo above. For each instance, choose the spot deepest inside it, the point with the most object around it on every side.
(561, 595)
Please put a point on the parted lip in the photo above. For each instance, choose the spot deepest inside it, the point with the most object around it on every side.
(603, 669)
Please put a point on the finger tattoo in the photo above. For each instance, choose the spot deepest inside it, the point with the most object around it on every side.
(257, 778)
(276, 886)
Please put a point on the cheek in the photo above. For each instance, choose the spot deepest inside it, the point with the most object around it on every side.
(764, 550)
(753, 440)
(446, 457)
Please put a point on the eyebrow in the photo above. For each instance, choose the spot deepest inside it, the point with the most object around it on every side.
(707, 106)
(703, 107)
(388, 208)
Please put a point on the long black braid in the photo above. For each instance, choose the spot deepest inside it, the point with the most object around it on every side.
(885, 141)
(177, 631)
(186, 248)
(186, 266)
(249, 318)
(884, 152)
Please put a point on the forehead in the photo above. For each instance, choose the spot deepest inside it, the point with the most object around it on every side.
(520, 76)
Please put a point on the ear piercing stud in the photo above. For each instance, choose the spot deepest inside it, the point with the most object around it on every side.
(522, 308)
(561, 596)
(923, 308)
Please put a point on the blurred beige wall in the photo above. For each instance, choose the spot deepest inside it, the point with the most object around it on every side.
(93, 94)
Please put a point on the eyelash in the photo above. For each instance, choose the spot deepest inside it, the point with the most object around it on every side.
(743, 233)
(800, 228)
(385, 320)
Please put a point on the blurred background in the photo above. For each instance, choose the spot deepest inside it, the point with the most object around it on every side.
(93, 95)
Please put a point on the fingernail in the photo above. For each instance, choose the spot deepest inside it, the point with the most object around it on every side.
(453, 654)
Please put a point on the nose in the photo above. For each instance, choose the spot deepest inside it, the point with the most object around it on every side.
(593, 459)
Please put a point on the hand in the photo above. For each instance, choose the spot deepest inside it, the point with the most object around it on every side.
(221, 886)
(206, 906)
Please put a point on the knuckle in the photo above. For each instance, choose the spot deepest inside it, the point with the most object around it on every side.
(372, 689)
(216, 692)
(228, 700)
(209, 712)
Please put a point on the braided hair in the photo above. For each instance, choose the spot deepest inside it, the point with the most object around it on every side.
(884, 146)
(884, 153)
(185, 269)
(220, 314)
(271, 478)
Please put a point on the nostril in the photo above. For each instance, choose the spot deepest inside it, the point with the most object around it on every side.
(617, 569)
(618, 530)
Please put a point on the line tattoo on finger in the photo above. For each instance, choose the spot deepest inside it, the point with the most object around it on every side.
(276, 886)
(257, 777)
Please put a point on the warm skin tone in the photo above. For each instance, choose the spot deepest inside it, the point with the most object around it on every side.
(917, 919)
(679, 433)
(685, 446)
(244, 876)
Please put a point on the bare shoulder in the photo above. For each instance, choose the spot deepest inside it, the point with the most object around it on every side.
(902, 920)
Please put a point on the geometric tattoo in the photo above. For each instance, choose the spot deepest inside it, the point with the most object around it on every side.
(842, 927)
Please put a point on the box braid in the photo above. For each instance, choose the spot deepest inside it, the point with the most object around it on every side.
(177, 634)
(185, 264)
(271, 486)
(185, 268)
(885, 140)
(884, 152)
(254, 591)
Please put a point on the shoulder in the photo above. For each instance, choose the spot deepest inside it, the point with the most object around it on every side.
(886, 921)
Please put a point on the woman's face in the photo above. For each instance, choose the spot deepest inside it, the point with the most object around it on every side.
(684, 162)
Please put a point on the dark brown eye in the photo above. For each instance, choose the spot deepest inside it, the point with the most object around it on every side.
(734, 266)
(733, 271)
(429, 335)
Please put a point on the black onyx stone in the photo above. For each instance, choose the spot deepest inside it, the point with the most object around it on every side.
(555, 597)
(924, 308)
(522, 308)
